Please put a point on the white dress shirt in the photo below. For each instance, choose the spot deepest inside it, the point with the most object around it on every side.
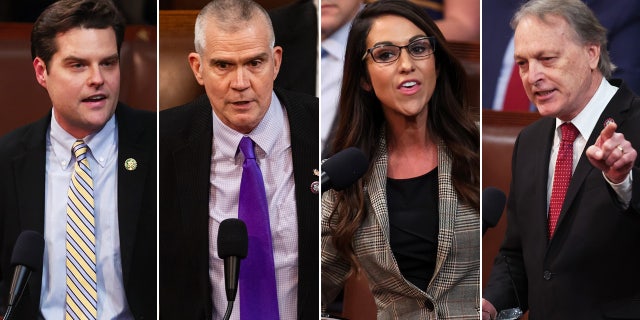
(273, 154)
(103, 157)
(585, 122)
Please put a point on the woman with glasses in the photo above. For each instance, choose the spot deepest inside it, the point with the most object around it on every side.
(411, 224)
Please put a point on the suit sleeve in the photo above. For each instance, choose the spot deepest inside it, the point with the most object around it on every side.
(508, 280)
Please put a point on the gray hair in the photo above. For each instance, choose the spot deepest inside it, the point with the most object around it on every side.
(588, 29)
(228, 15)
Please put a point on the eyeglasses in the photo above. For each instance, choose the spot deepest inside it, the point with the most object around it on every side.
(386, 53)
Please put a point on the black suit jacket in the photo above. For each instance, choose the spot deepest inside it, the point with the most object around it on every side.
(296, 29)
(22, 201)
(186, 134)
(589, 269)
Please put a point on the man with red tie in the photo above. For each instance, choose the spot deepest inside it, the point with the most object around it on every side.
(574, 207)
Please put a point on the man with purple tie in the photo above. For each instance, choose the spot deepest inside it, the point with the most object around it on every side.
(244, 150)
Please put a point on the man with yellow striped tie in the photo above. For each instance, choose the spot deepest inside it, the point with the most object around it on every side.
(84, 176)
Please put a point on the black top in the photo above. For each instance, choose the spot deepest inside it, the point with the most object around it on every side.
(413, 221)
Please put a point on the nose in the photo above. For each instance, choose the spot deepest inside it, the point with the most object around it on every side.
(241, 80)
(405, 61)
(96, 79)
(534, 74)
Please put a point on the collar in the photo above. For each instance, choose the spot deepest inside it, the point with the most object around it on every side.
(265, 135)
(102, 144)
(586, 120)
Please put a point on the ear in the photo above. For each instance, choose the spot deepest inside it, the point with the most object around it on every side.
(277, 60)
(196, 66)
(40, 69)
(365, 85)
(593, 51)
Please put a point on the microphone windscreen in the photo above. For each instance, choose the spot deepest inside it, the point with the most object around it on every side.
(28, 250)
(232, 239)
(493, 200)
(345, 167)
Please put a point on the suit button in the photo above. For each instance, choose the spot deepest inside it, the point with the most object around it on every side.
(547, 275)
(429, 305)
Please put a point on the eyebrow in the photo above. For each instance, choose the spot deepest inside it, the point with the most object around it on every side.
(74, 58)
(384, 43)
(261, 56)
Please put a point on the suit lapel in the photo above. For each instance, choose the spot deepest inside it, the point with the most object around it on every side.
(540, 176)
(29, 174)
(130, 183)
(192, 162)
(447, 205)
(615, 109)
(377, 188)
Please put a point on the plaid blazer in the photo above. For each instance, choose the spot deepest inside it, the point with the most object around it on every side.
(454, 289)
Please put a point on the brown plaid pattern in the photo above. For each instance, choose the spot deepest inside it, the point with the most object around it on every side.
(454, 289)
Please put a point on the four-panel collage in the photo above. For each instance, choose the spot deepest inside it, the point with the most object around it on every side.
(319, 159)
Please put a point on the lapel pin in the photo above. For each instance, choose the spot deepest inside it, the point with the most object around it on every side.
(315, 187)
(130, 164)
(316, 172)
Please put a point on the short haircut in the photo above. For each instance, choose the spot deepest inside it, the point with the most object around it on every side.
(229, 15)
(65, 15)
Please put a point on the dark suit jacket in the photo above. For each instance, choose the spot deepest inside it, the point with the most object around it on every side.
(185, 161)
(296, 29)
(590, 266)
(22, 201)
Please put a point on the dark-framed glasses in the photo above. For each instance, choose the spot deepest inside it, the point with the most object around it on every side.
(418, 48)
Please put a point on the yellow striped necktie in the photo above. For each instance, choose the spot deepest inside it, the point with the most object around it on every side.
(82, 294)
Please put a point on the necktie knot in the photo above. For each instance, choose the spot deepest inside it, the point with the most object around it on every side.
(80, 149)
(246, 147)
(569, 132)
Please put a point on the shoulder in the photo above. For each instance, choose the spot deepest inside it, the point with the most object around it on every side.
(182, 117)
(295, 101)
(138, 117)
(26, 136)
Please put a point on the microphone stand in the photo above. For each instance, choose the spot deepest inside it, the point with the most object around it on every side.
(512, 313)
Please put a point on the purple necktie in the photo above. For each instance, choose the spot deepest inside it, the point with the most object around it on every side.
(258, 294)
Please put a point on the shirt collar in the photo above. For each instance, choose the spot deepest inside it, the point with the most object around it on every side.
(586, 120)
(102, 144)
(265, 135)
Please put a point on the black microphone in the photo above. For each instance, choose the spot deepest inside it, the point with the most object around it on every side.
(232, 247)
(493, 201)
(27, 258)
(343, 169)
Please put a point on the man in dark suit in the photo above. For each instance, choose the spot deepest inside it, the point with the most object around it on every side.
(201, 168)
(75, 48)
(574, 203)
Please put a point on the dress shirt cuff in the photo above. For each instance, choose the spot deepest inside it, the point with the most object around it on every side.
(622, 189)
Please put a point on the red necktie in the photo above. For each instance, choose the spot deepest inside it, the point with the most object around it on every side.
(562, 174)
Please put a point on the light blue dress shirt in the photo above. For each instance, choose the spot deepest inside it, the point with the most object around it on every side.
(103, 157)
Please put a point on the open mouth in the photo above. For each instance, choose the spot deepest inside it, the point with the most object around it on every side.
(544, 93)
(408, 84)
(95, 98)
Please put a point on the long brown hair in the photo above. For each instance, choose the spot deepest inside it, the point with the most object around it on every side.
(360, 118)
